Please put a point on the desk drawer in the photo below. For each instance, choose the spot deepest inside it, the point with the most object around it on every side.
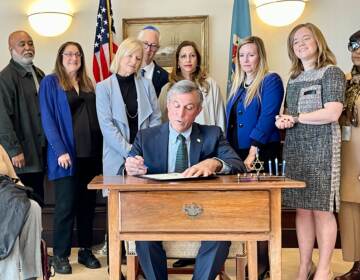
(195, 211)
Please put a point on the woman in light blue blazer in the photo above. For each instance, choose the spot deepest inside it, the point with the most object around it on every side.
(125, 103)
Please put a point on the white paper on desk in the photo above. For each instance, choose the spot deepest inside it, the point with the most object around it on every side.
(172, 176)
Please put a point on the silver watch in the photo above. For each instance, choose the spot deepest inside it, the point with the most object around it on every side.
(296, 119)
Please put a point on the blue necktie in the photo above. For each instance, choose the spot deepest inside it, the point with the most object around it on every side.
(181, 162)
(143, 72)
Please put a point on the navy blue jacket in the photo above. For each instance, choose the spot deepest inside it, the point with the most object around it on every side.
(206, 142)
(256, 122)
(159, 79)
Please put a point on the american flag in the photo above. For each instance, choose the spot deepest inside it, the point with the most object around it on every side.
(103, 38)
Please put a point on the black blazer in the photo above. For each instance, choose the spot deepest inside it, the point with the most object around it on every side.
(159, 79)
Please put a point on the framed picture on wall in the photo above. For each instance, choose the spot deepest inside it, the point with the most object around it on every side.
(173, 30)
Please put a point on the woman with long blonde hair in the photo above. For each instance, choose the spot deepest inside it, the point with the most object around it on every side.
(254, 101)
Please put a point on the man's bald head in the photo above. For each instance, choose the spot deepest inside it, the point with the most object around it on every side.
(21, 47)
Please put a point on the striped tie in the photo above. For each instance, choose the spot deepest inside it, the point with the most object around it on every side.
(181, 162)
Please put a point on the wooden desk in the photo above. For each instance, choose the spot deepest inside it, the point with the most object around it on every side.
(214, 209)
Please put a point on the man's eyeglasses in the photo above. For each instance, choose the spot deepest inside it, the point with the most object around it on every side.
(152, 47)
(70, 54)
(353, 46)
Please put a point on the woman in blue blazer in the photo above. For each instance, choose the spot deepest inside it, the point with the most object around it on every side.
(125, 103)
(68, 115)
(255, 99)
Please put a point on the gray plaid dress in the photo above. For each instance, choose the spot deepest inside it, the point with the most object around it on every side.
(312, 152)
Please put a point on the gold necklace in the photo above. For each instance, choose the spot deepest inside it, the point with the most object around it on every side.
(129, 115)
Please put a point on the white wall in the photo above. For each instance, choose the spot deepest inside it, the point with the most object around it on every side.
(338, 19)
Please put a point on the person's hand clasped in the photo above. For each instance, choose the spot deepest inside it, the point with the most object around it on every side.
(18, 160)
(64, 161)
(284, 121)
(204, 168)
(135, 166)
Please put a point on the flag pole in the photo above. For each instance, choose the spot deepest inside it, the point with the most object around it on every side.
(240, 28)
(110, 30)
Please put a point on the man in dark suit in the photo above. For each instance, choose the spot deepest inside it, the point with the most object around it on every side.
(195, 150)
(150, 37)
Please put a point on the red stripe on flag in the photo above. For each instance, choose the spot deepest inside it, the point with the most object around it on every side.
(115, 47)
(103, 64)
(96, 69)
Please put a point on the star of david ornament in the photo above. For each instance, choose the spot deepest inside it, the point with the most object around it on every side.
(257, 165)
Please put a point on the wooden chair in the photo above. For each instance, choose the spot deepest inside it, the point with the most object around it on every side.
(186, 249)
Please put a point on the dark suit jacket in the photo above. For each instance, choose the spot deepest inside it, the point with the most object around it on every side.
(206, 142)
(159, 79)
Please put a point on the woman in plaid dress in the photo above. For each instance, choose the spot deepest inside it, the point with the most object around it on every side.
(314, 98)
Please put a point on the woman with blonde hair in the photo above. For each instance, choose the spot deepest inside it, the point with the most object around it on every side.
(254, 101)
(314, 102)
(187, 66)
(68, 115)
(125, 103)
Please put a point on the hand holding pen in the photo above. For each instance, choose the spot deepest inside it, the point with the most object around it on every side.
(135, 166)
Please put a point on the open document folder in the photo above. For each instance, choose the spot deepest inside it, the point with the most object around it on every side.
(173, 176)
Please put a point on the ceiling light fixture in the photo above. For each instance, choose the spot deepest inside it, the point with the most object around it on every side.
(279, 12)
(50, 17)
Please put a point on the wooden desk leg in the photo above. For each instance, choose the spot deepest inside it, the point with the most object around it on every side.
(131, 268)
(240, 267)
(252, 260)
(114, 239)
(275, 235)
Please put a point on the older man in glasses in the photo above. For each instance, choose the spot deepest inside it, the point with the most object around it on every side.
(150, 37)
(21, 133)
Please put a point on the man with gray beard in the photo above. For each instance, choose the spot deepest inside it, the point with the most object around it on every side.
(21, 133)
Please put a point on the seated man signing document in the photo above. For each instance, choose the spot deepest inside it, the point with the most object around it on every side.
(195, 150)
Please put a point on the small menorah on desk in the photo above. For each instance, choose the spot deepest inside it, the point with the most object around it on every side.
(258, 166)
